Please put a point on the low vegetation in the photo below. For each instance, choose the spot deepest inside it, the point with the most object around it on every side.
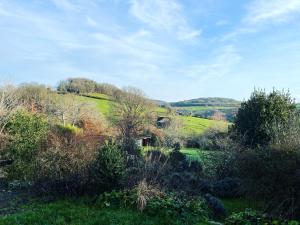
(77, 153)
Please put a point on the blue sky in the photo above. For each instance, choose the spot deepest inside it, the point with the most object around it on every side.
(171, 49)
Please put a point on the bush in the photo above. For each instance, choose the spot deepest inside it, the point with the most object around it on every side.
(251, 217)
(272, 175)
(227, 187)
(168, 206)
(210, 140)
(215, 205)
(183, 208)
(108, 169)
(62, 168)
(263, 112)
(27, 133)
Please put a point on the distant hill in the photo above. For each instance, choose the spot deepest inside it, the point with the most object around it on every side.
(223, 102)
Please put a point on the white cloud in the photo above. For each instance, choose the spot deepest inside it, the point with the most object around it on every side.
(260, 11)
(64, 4)
(219, 65)
(91, 22)
(164, 15)
(3, 11)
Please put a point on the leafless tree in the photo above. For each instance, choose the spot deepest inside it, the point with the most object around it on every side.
(8, 104)
(132, 113)
(70, 110)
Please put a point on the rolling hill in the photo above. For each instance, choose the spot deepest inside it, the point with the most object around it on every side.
(208, 108)
(190, 125)
(216, 102)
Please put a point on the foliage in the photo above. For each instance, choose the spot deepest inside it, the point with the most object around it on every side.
(62, 168)
(109, 168)
(27, 132)
(187, 210)
(132, 114)
(115, 199)
(211, 139)
(68, 129)
(272, 175)
(84, 86)
(252, 217)
(216, 206)
(8, 104)
(261, 114)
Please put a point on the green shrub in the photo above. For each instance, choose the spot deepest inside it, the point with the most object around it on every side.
(108, 169)
(261, 115)
(117, 199)
(27, 132)
(272, 175)
(169, 207)
(251, 217)
(68, 129)
(183, 208)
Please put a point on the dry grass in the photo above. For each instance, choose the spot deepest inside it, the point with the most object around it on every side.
(146, 192)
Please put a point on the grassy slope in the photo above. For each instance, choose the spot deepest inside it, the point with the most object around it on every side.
(102, 103)
(194, 125)
(191, 125)
(76, 213)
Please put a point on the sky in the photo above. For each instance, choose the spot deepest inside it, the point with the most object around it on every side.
(171, 49)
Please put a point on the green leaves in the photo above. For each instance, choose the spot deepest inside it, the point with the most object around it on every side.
(262, 116)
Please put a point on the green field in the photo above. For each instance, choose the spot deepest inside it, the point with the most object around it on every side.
(202, 108)
(190, 125)
(194, 125)
(102, 102)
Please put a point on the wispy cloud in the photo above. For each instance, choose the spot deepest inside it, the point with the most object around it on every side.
(64, 4)
(91, 22)
(220, 64)
(164, 15)
(261, 11)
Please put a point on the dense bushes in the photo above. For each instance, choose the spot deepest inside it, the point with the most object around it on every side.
(27, 132)
(84, 86)
(272, 175)
(169, 206)
(108, 169)
(262, 115)
(252, 217)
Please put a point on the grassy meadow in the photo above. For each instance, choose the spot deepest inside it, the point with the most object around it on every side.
(190, 125)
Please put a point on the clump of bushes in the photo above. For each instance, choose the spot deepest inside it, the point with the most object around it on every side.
(272, 175)
(108, 169)
(253, 217)
(262, 115)
(168, 206)
(27, 134)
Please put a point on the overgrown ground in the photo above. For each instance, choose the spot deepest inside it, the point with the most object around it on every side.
(85, 211)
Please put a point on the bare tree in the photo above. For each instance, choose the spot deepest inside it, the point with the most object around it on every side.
(8, 103)
(132, 114)
(220, 116)
(70, 110)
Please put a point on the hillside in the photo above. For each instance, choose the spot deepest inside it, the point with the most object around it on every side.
(190, 125)
(194, 125)
(223, 102)
(208, 108)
